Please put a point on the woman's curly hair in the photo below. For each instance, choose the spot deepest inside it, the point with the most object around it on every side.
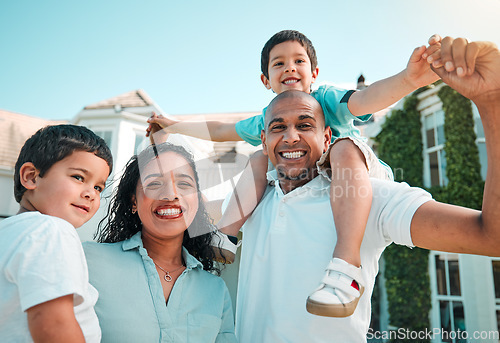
(121, 224)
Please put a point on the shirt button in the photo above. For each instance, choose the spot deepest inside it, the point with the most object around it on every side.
(282, 214)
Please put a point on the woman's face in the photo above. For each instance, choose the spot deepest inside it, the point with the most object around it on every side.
(166, 196)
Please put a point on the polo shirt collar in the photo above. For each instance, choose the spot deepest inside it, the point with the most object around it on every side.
(319, 183)
(135, 242)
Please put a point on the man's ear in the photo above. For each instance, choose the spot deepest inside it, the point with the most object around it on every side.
(28, 174)
(263, 139)
(328, 138)
(265, 81)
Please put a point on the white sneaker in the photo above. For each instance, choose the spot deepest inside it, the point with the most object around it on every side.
(225, 250)
(339, 292)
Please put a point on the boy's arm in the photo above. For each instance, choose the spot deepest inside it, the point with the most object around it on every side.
(211, 130)
(54, 321)
(451, 228)
(246, 195)
(386, 92)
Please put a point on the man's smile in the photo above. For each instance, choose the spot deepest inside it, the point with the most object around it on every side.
(289, 155)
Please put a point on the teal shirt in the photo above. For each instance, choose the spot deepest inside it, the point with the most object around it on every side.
(337, 116)
(131, 306)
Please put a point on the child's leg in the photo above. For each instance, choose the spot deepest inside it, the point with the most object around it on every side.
(252, 182)
(351, 197)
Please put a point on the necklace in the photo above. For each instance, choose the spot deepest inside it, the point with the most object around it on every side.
(167, 276)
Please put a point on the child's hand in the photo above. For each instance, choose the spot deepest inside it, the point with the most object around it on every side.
(433, 52)
(418, 70)
(158, 127)
(159, 122)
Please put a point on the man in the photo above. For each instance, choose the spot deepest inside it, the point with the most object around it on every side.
(291, 233)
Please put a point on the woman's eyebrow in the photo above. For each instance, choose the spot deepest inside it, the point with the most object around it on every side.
(151, 175)
(182, 175)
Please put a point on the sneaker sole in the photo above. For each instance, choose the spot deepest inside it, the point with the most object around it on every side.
(333, 310)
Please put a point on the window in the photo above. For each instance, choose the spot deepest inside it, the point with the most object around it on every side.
(141, 142)
(480, 141)
(449, 296)
(496, 280)
(106, 135)
(434, 148)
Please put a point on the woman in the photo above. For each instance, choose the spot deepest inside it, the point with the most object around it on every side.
(153, 270)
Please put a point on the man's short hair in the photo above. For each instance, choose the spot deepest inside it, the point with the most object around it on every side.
(292, 94)
(285, 36)
(53, 143)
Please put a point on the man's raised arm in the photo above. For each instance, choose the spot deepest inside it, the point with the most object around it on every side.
(472, 69)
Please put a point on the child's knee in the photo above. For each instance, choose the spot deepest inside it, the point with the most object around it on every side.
(345, 151)
(258, 159)
(258, 163)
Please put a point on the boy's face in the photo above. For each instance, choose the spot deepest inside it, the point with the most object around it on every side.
(70, 189)
(289, 68)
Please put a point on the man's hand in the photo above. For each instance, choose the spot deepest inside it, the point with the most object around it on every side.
(472, 69)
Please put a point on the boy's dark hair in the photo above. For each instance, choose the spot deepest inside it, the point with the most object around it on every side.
(285, 36)
(53, 143)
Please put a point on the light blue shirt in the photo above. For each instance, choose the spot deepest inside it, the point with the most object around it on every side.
(337, 116)
(131, 305)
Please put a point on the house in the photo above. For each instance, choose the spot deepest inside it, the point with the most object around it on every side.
(121, 122)
(465, 289)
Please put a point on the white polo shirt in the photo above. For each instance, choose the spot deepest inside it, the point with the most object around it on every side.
(287, 244)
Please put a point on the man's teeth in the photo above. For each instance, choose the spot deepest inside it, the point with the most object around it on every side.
(287, 82)
(293, 154)
(169, 212)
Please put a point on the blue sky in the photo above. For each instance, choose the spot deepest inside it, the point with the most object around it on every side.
(199, 56)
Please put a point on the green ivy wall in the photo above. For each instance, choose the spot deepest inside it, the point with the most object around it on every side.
(400, 145)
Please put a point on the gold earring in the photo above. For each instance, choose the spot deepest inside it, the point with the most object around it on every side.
(134, 210)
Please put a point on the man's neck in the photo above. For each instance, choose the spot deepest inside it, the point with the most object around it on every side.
(287, 185)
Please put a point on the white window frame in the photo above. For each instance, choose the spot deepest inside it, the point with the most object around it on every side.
(497, 300)
(100, 130)
(436, 297)
(480, 140)
(437, 148)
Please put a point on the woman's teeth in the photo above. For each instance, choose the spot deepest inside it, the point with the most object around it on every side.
(169, 211)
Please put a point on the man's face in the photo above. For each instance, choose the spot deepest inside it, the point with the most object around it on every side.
(289, 68)
(295, 137)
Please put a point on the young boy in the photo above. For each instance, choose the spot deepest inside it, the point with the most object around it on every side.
(46, 296)
(288, 61)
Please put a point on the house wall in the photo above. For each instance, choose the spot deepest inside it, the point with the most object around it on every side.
(476, 280)
(8, 205)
